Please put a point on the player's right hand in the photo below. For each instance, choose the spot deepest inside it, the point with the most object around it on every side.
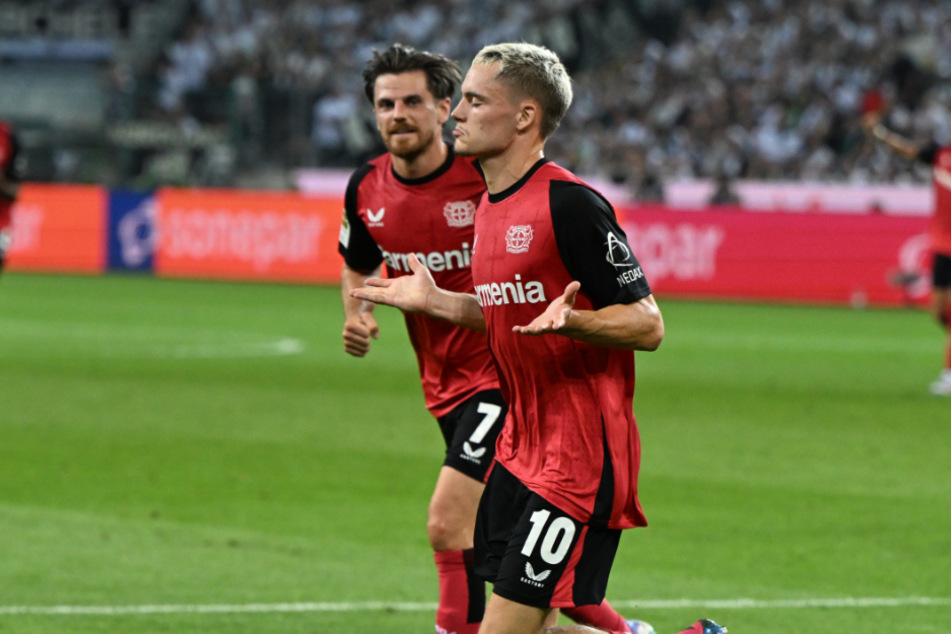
(409, 293)
(357, 333)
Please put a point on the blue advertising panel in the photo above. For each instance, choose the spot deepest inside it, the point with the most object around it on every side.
(131, 231)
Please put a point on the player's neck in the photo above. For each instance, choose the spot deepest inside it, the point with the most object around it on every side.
(423, 164)
(504, 170)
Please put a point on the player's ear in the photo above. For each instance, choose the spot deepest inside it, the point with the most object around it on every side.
(528, 114)
(443, 109)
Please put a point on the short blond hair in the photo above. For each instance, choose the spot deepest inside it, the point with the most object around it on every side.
(536, 72)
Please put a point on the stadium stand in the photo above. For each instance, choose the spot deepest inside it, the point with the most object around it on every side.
(240, 92)
(67, 71)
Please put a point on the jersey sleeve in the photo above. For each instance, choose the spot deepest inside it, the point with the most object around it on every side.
(593, 246)
(358, 248)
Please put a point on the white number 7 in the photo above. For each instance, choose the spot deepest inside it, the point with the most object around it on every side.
(491, 412)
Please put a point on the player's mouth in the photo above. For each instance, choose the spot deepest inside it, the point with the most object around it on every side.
(402, 131)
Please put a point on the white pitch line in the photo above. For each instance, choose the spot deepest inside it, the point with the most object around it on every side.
(157, 342)
(754, 604)
(377, 606)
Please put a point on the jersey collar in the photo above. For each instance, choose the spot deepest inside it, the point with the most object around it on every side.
(502, 195)
(422, 180)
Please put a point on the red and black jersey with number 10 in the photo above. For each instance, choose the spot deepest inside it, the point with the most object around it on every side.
(571, 435)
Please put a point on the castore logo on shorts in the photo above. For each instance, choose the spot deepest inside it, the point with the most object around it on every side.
(472, 455)
(535, 579)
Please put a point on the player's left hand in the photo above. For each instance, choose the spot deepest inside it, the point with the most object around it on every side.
(555, 317)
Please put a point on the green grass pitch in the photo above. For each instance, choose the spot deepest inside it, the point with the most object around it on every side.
(180, 456)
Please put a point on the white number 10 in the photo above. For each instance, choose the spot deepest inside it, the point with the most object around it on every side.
(557, 539)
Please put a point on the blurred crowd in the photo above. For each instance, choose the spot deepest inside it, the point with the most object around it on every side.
(722, 89)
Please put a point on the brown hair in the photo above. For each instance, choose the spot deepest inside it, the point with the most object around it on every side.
(442, 74)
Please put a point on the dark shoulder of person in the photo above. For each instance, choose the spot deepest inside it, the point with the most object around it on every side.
(929, 153)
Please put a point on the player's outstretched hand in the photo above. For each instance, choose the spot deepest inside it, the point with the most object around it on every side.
(410, 293)
(555, 316)
(358, 331)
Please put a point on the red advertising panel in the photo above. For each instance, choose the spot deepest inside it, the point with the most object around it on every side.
(733, 253)
(816, 257)
(59, 228)
(248, 235)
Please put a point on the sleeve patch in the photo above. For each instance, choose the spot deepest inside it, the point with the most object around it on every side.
(345, 232)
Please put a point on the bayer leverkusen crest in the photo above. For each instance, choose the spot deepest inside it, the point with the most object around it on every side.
(460, 214)
(518, 238)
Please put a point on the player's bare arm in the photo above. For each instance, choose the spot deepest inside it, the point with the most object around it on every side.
(635, 326)
(872, 123)
(359, 325)
(418, 293)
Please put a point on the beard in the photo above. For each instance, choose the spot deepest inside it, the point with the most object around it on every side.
(408, 150)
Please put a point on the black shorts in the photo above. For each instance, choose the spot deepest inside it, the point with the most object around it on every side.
(941, 271)
(527, 548)
(470, 431)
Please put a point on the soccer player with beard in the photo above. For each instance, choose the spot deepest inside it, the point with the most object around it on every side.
(565, 304)
(9, 186)
(420, 198)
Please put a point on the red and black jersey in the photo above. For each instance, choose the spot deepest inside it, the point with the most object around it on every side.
(940, 160)
(8, 168)
(570, 435)
(386, 218)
